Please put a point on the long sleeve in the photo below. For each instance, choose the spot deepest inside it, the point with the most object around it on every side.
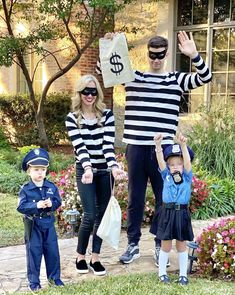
(109, 137)
(194, 80)
(77, 141)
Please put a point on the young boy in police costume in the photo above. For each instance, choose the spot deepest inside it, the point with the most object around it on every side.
(38, 199)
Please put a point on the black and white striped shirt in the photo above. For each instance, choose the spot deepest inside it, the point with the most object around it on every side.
(152, 103)
(93, 144)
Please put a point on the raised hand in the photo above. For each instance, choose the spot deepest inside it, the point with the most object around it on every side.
(158, 138)
(182, 140)
(187, 45)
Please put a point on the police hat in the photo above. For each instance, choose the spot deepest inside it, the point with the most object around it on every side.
(36, 157)
(175, 150)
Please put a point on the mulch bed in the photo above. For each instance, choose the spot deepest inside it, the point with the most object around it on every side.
(65, 149)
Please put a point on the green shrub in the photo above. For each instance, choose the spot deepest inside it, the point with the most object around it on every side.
(4, 144)
(213, 141)
(216, 255)
(60, 161)
(17, 111)
(11, 179)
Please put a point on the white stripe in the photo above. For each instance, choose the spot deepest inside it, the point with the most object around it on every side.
(152, 104)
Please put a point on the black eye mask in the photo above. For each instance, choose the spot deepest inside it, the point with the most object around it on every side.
(177, 177)
(89, 90)
(158, 55)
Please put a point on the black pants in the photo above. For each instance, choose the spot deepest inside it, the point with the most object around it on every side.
(94, 199)
(142, 166)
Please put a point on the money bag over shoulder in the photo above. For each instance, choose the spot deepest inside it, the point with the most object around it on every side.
(114, 60)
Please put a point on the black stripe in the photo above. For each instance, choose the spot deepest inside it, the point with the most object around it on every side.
(153, 99)
(148, 129)
(150, 119)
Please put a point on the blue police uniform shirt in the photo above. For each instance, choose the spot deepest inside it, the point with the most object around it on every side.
(30, 194)
(177, 193)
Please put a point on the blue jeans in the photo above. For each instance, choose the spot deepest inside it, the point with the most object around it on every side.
(94, 199)
(142, 166)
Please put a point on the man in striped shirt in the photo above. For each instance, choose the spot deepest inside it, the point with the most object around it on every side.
(152, 106)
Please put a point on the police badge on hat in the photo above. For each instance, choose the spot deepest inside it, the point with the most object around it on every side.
(36, 152)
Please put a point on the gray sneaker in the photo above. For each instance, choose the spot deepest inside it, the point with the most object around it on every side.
(156, 257)
(132, 253)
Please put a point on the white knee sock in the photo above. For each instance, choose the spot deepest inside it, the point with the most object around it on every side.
(163, 258)
(183, 263)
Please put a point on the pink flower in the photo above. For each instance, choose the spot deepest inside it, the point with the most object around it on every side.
(232, 231)
(61, 192)
(226, 240)
(224, 233)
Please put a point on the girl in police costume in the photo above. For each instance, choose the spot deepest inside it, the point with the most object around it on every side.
(38, 200)
(172, 220)
(91, 129)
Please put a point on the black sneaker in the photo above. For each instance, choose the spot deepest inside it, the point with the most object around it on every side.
(132, 252)
(97, 268)
(34, 287)
(81, 266)
(164, 279)
(183, 281)
(156, 257)
(56, 282)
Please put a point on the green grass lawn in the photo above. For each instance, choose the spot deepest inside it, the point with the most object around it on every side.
(12, 232)
(11, 224)
(142, 284)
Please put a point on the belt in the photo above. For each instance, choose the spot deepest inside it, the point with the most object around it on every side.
(174, 206)
(43, 214)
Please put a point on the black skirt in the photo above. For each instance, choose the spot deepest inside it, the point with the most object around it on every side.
(170, 224)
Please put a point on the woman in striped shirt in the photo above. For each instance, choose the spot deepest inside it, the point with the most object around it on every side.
(91, 130)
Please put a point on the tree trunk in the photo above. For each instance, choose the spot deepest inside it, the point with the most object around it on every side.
(43, 140)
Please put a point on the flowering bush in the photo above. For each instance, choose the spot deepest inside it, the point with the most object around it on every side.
(66, 182)
(216, 251)
(200, 193)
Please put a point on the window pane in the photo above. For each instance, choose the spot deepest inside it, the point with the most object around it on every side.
(219, 61)
(218, 83)
(232, 38)
(200, 11)
(220, 39)
(221, 10)
(182, 63)
(233, 10)
(231, 61)
(200, 40)
(231, 84)
(184, 12)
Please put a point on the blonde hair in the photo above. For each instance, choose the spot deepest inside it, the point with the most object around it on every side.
(98, 106)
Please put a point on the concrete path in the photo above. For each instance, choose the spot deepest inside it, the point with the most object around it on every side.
(13, 262)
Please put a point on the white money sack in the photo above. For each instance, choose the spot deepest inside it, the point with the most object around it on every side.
(114, 61)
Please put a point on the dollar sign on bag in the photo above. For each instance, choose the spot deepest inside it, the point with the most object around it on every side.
(118, 66)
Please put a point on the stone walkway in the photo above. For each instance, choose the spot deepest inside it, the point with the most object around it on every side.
(13, 262)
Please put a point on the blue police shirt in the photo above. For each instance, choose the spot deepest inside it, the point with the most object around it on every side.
(30, 194)
(177, 193)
